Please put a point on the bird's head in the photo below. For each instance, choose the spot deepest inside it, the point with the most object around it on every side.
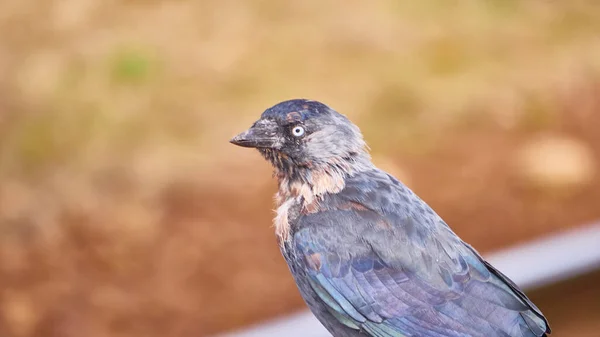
(302, 136)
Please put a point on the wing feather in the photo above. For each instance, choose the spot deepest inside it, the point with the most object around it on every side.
(394, 269)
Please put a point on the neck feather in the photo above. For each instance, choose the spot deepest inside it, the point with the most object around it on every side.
(305, 184)
(316, 177)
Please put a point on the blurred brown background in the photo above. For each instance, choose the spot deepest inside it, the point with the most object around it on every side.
(124, 211)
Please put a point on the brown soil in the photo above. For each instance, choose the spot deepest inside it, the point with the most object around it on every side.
(210, 262)
(473, 183)
(571, 306)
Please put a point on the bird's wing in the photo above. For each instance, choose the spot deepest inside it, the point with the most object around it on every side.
(394, 270)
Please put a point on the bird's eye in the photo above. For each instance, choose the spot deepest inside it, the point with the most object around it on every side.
(298, 131)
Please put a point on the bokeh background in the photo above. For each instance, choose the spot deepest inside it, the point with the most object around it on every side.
(124, 211)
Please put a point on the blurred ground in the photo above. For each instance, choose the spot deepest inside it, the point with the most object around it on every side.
(124, 211)
(573, 305)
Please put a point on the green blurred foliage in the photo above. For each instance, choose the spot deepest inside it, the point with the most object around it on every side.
(132, 66)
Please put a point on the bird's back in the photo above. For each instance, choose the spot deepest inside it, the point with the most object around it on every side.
(376, 260)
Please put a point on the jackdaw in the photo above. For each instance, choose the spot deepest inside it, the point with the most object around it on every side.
(371, 258)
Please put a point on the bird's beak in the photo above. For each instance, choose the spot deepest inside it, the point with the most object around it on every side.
(263, 134)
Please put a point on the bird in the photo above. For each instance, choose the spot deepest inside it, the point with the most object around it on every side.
(369, 257)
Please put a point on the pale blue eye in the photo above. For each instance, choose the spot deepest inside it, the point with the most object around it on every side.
(298, 131)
